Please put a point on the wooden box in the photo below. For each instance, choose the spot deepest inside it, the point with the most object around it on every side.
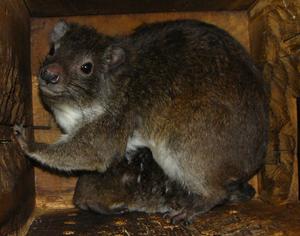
(268, 29)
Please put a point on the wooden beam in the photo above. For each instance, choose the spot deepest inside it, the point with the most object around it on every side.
(274, 28)
(42, 8)
(16, 174)
(251, 218)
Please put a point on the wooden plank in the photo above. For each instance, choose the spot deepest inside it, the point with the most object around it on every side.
(14, 62)
(274, 28)
(17, 196)
(17, 192)
(42, 8)
(252, 218)
(49, 184)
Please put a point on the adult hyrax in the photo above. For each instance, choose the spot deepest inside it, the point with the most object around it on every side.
(185, 89)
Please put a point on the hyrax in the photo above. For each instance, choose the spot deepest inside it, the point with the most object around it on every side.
(185, 89)
(137, 183)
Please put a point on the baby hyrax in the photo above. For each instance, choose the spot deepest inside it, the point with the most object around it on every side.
(185, 89)
(137, 183)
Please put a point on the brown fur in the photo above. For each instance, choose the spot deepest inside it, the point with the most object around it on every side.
(137, 183)
(185, 89)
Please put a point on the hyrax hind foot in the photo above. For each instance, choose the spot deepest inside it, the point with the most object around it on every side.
(244, 192)
(186, 205)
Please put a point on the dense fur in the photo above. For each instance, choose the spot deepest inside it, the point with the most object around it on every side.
(137, 183)
(185, 89)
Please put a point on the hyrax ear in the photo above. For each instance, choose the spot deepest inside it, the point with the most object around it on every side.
(113, 57)
(59, 31)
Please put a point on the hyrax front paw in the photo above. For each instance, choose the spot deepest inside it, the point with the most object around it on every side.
(20, 137)
(185, 206)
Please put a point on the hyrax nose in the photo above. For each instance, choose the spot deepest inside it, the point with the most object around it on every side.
(51, 73)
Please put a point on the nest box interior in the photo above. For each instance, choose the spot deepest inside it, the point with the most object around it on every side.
(37, 202)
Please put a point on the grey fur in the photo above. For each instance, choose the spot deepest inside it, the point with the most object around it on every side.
(185, 89)
(59, 31)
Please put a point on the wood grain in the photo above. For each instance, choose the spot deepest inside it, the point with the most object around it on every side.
(17, 196)
(252, 218)
(275, 45)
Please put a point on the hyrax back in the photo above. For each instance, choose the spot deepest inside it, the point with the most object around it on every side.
(185, 89)
(205, 114)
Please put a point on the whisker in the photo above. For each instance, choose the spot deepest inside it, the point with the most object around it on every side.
(73, 84)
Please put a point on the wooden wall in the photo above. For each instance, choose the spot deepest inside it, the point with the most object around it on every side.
(16, 173)
(54, 191)
(275, 44)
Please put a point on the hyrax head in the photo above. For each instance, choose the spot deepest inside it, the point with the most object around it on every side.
(78, 64)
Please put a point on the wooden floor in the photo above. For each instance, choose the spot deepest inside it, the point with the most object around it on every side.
(253, 218)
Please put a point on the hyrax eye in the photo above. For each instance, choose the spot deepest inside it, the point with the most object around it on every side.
(52, 50)
(86, 68)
